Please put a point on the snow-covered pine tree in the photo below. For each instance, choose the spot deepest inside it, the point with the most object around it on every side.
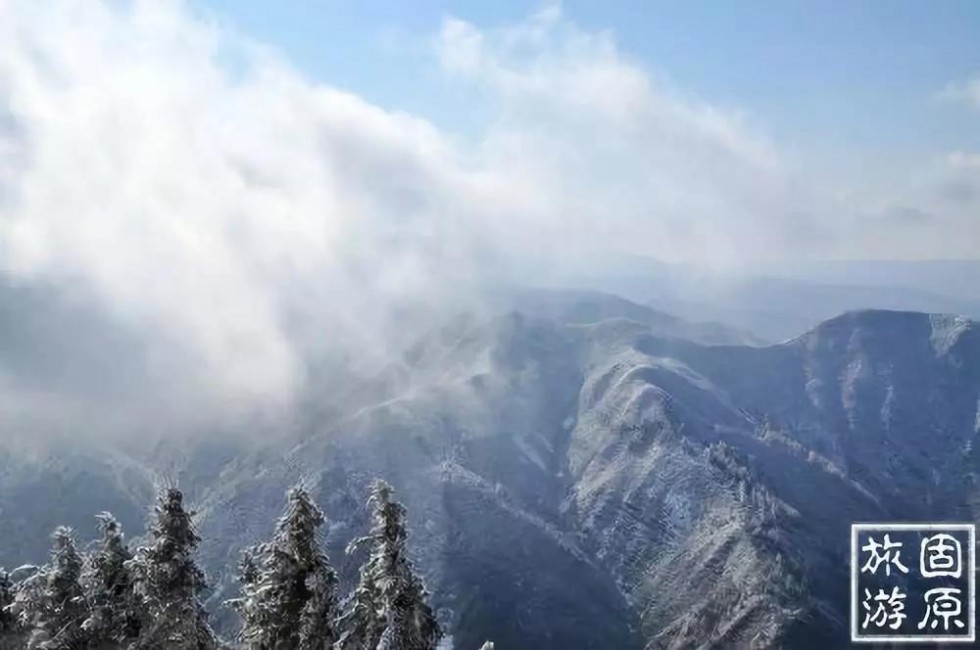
(168, 580)
(27, 600)
(361, 621)
(288, 586)
(247, 604)
(50, 604)
(9, 629)
(317, 620)
(248, 571)
(115, 611)
(388, 610)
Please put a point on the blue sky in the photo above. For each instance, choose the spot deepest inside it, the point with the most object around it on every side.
(833, 76)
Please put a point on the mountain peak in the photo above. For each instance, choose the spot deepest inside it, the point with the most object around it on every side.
(886, 330)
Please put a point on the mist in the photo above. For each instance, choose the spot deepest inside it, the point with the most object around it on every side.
(198, 226)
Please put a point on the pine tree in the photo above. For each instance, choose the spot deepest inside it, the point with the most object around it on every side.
(317, 628)
(169, 581)
(389, 609)
(26, 601)
(248, 570)
(362, 621)
(288, 586)
(9, 628)
(115, 610)
(50, 604)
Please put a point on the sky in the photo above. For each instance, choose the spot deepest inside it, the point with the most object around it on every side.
(811, 72)
(240, 184)
(868, 102)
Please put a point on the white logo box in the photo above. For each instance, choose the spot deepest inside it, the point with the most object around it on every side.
(884, 527)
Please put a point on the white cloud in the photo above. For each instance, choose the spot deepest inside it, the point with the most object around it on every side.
(942, 193)
(198, 200)
(618, 159)
(963, 160)
(966, 91)
(239, 213)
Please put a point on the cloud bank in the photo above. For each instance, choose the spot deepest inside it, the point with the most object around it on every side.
(242, 218)
(967, 91)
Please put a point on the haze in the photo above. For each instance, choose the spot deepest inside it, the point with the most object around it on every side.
(206, 213)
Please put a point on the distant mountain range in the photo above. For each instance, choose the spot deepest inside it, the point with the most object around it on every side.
(776, 302)
(582, 471)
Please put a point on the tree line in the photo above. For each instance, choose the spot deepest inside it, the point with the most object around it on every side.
(149, 597)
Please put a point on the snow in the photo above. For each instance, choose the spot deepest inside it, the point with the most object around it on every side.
(976, 419)
(529, 452)
(679, 512)
(946, 330)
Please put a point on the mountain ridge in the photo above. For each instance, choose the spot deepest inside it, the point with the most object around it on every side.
(603, 485)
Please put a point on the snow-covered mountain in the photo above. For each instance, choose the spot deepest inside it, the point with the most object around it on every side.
(584, 472)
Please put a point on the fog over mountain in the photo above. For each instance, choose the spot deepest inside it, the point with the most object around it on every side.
(586, 477)
(240, 218)
(632, 362)
(777, 301)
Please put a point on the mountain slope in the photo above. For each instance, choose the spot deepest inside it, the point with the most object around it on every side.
(577, 483)
(560, 473)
